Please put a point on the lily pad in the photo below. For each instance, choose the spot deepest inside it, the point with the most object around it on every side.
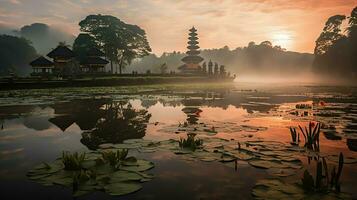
(276, 189)
(346, 160)
(271, 189)
(139, 166)
(265, 164)
(281, 172)
(120, 176)
(95, 174)
(122, 188)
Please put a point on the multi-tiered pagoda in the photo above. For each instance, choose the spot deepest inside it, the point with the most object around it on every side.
(192, 60)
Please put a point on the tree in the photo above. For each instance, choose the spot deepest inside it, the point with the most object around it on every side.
(335, 52)
(82, 44)
(352, 37)
(15, 53)
(267, 44)
(121, 42)
(330, 33)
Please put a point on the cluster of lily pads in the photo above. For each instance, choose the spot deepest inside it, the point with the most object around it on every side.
(211, 128)
(279, 158)
(326, 185)
(112, 171)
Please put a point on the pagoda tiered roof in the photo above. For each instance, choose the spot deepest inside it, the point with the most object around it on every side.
(193, 52)
(94, 61)
(41, 61)
(61, 51)
(95, 52)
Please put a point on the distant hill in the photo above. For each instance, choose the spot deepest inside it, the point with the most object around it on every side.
(42, 36)
(261, 59)
(15, 55)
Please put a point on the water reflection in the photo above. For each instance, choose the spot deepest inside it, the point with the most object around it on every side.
(120, 121)
(352, 144)
(67, 123)
(85, 113)
(193, 113)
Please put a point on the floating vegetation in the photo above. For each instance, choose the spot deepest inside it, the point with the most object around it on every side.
(211, 128)
(324, 182)
(190, 142)
(271, 189)
(312, 136)
(278, 158)
(72, 161)
(114, 158)
(303, 106)
(109, 171)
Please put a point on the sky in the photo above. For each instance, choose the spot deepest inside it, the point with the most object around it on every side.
(292, 24)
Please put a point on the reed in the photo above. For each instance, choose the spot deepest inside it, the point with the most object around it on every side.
(324, 182)
(295, 136)
(312, 136)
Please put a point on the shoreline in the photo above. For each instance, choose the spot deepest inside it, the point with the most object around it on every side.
(30, 83)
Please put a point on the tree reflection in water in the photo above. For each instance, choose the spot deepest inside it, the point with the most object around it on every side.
(119, 122)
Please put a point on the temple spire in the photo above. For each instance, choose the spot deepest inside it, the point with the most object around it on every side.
(192, 60)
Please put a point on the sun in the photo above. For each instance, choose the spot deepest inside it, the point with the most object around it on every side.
(283, 39)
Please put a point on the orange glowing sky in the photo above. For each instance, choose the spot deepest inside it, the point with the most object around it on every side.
(293, 24)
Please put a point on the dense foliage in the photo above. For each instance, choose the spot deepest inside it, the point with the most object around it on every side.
(15, 55)
(336, 49)
(121, 42)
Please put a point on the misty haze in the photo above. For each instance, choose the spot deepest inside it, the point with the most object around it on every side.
(166, 99)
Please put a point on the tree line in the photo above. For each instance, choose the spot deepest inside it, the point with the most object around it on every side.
(254, 59)
(336, 48)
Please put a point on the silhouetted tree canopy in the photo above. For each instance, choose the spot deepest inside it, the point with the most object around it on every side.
(15, 55)
(121, 42)
(336, 51)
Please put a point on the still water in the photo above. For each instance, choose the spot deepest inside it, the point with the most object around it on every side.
(37, 125)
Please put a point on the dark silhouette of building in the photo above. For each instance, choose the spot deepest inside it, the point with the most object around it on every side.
(94, 62)
(61, 56)
(192, 60)
(65, 64)
(42, 66)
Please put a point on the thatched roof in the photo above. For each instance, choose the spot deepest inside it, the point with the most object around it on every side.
(41, 61)
(94, 61)
(61, 51)
(95, 52)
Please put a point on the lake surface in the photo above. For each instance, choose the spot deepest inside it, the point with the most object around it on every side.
(38, 125)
